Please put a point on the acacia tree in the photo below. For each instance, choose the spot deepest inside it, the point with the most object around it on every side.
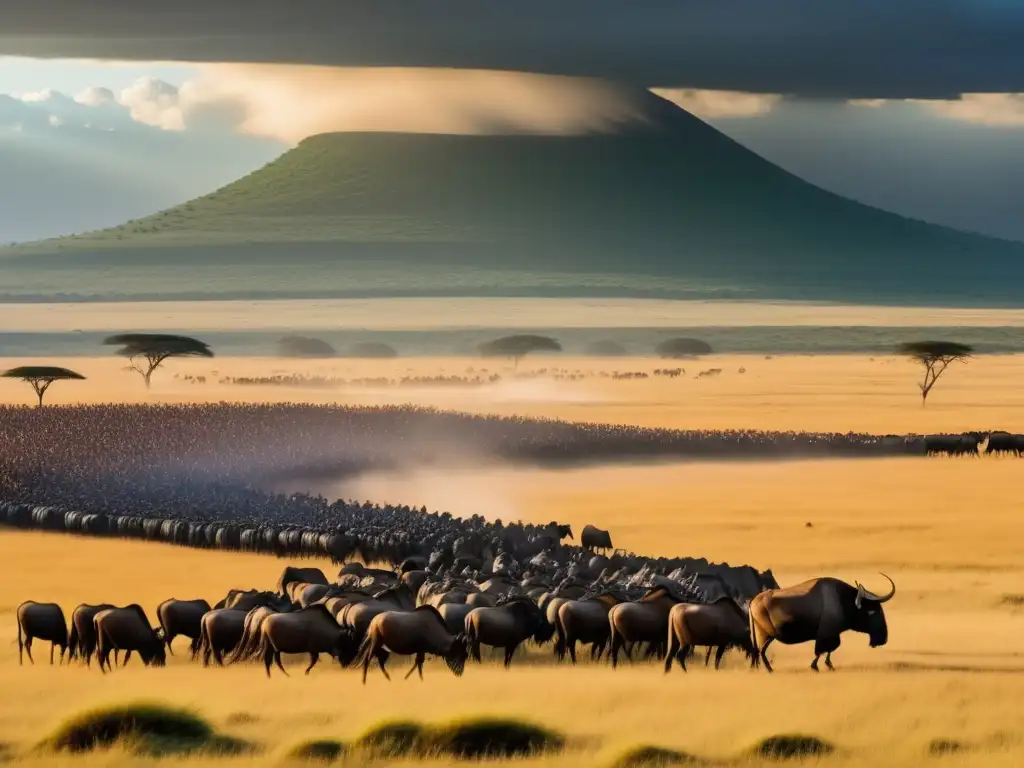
(40, 377)
(683, 347)
(519, 346)
(146, 351)
(935, 356)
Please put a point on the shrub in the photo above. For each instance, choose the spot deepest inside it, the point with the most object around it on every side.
(391, 739)
(161, 724)
(945, 747)
(491, 738)
(790, 746)
(654, 757)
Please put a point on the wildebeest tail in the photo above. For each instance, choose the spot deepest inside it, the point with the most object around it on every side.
(755, 659)
(561, 645)
(365, 650)
(21, 642)
(73, 641)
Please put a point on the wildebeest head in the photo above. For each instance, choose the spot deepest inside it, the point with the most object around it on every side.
(154, 653)
(869, 617)
(346, 647)
(768, 580)
(457, 654)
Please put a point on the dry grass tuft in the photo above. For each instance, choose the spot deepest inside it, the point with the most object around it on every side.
(318, 750)
(940, 747)
(479, 738)
(654, 757)
(391, 739)
(142, 724)
(791, 746)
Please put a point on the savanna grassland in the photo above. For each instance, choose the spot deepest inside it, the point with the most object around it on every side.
(948, 531)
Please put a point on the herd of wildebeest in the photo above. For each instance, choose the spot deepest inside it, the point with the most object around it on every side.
(203, 476)
(492, 585)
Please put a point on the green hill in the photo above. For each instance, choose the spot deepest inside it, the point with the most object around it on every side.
(667, 206)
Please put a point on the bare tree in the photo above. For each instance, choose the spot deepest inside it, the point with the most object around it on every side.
(519, 346)
(40, 377)
(146, 351)
(935, 356)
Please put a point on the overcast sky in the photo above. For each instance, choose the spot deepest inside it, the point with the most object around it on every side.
(911, 105)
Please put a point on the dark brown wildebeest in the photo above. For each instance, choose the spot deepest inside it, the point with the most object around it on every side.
(82, 641)
(307, 575)
(221, 631)
(412, 633)
(357, 615)
(642, 621)
(721, 624)
(310, 630)
(584, 621)
(127, 629)
(819, 610)
(45, 621)
(595, 538)
(182, 617)
(505, 625)
(1004, 442)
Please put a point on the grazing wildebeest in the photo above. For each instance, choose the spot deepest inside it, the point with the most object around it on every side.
(182, 617)
(595, 538)
(45, 621)
(642, 621)
(222, 630)
(584, 621)
(819, 610)
(310, 630)
(505, 625)
(721, 624)
(412, 633)
(127, 629)
(82, 641)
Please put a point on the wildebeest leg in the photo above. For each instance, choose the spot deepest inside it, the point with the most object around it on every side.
(28, 648)
(314, 657)
(764, 653)
(510, 651)
(420, 658)
(168, 639)
(828, 662)
(52, 647)
(707, 656)
(718, 655)
(823, 646)
(681, 656)
(277, 660)
(673, 650)
(382, 660)
(193, 648)
(268, 659)
(570, 646)
(127, 655)
(614, 650)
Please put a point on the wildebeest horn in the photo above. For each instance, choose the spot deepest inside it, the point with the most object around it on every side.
(868, 595)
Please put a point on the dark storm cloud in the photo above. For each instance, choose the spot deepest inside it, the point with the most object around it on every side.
(841, 48)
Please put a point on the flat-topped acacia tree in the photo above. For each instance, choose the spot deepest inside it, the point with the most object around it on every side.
(935, 356)
(519, 346)
(154, 348)
(40, 377)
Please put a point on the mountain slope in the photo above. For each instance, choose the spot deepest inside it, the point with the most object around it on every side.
(667, 204)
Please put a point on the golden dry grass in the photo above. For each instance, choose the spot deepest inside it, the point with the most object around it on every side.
(948, 531)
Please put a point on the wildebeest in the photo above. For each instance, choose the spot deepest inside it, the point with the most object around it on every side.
(642, 621)
(595, 538)
(307, 575)
(82, 640)
(819, 610)
(127, 629)
(583, 621)
(221, 631)
(1004, 442)
(504, 626)
(721, 624)
(45, 621)
(310, 630)
(357, 616)
(953, 445)
(182, 617)
(413, 633)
